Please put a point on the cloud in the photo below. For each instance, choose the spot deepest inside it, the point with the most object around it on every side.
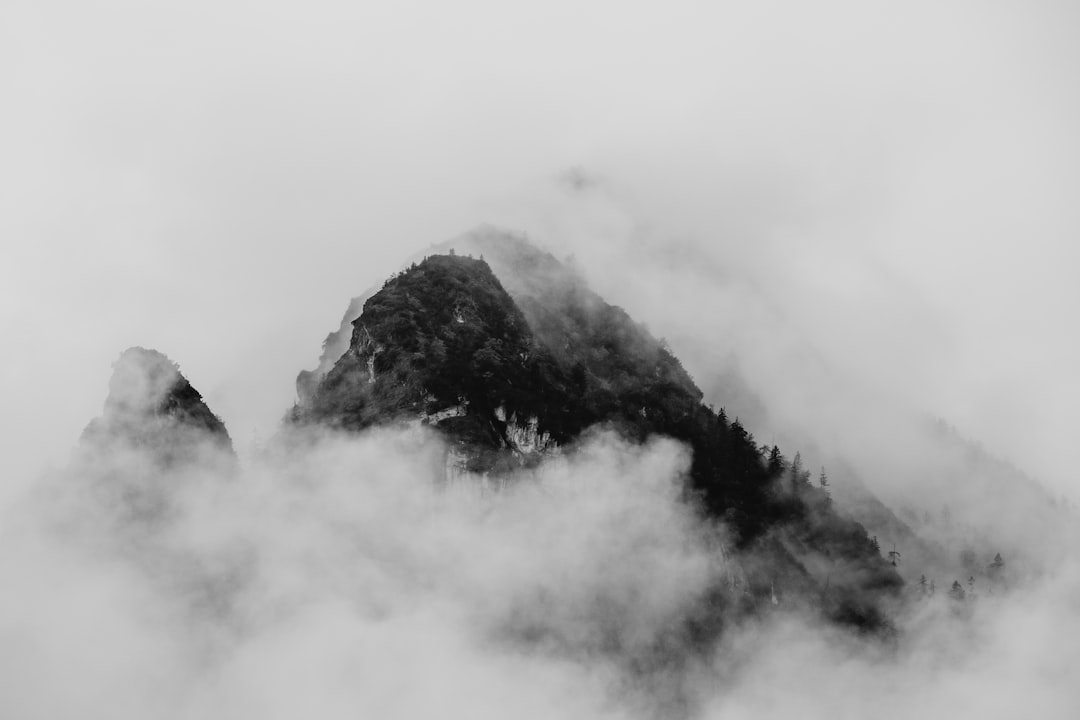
(896, 183)
(342, 575)
(867, 207)
(346, 576)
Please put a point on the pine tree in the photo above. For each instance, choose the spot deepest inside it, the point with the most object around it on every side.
(894, 556)
(823, 480)
(874, 544)
(739, 432)
(775, 463)
(956, 592)
(996, 572)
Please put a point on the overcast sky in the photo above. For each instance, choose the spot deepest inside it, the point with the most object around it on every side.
(217, 179)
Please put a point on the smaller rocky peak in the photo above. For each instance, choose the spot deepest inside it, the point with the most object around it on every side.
(142, 382)
(151, 405)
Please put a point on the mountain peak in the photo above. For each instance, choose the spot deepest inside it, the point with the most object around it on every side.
(152, 405)
(523, 269)
(511, 360)
(442, 343)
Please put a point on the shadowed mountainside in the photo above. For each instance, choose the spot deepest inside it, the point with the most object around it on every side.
(508, 379)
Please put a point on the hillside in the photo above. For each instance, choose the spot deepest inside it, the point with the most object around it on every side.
(509, 380)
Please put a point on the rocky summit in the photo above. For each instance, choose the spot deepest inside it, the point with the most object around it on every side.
(151, 407)
(513, 360)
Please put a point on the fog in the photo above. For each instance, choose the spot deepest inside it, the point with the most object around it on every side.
(864, 211)
(342, 576)
(213, 181)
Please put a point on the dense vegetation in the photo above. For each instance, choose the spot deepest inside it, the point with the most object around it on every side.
(445, 333)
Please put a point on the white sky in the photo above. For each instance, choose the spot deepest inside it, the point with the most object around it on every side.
(217, 179)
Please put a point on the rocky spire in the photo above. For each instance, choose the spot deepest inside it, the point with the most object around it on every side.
(152, 406)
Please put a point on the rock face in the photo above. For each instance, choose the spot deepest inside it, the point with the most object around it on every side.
(534, 279)
(570, 359)
(508, 377)
(443, 344)
(152, 407)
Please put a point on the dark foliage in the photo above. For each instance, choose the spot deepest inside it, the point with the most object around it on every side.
(445, 334)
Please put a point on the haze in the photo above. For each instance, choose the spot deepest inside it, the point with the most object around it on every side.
(216, 180)
(858, 205)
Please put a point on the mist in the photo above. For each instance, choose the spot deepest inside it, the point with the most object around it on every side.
(865, 213)
(338, 576)
(896, 182)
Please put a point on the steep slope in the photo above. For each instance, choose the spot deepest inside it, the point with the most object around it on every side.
(906, 476)
(533, 278)
(152, 407)
(941, 500)
(444, 343)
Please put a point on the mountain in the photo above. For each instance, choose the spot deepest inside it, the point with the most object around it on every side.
(920, 486)
(524, 271)
(947, 503)
(151, 407)
(511, 358)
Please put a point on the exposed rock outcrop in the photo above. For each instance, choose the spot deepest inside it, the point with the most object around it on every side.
(509, 378)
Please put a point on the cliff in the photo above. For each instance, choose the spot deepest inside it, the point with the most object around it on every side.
(507, 380)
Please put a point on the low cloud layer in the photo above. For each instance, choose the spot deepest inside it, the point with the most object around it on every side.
(343, 576)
